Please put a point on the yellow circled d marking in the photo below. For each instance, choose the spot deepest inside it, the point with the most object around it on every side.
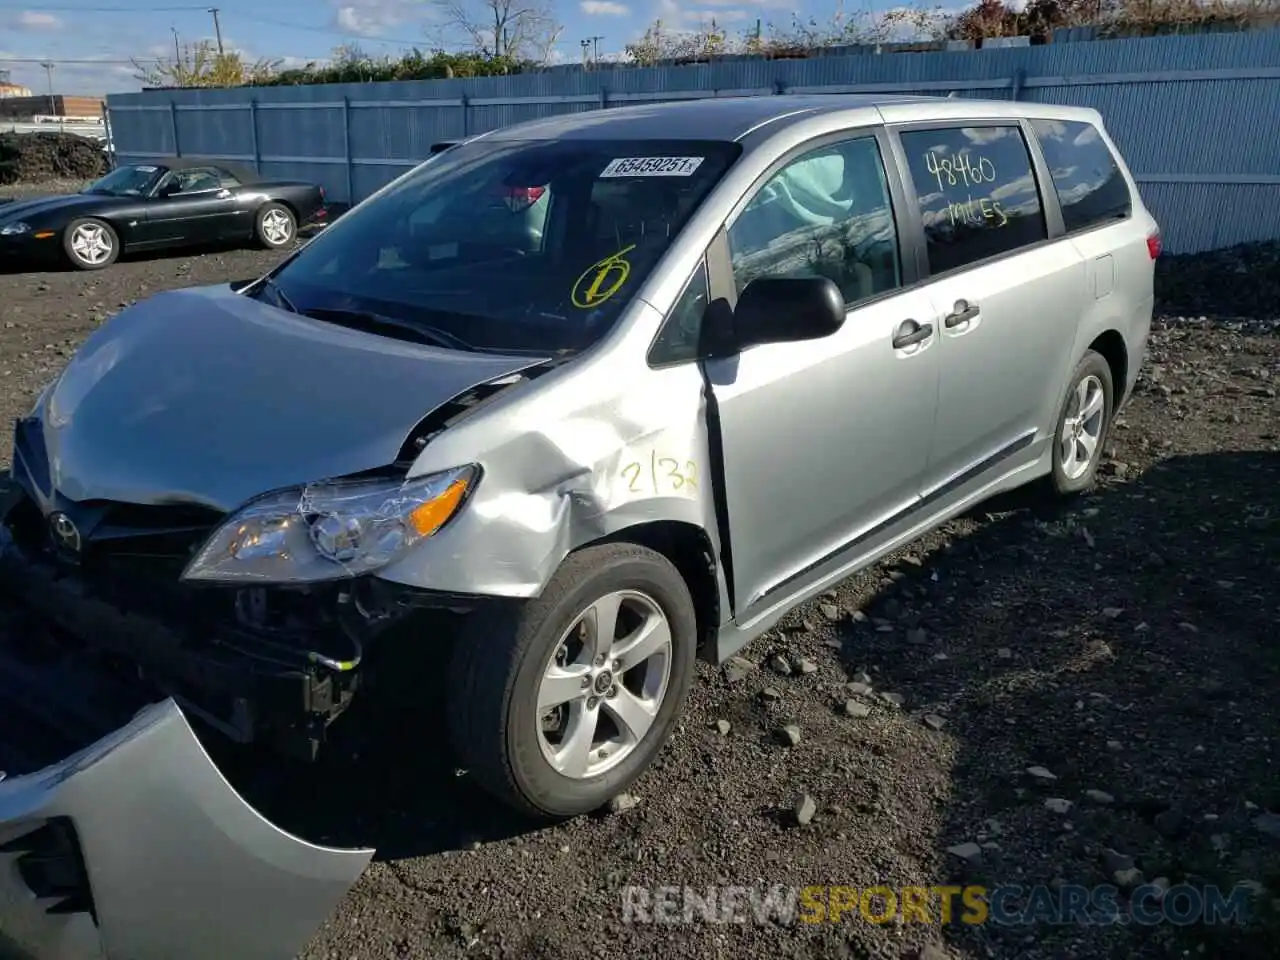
(603, 279)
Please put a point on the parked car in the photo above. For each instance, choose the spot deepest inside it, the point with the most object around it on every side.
(615, 390)
(177, 202)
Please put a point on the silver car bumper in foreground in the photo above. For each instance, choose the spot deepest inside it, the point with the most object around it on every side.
(138, 848)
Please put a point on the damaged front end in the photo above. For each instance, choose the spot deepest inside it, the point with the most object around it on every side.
(119, 837)
(275, 665)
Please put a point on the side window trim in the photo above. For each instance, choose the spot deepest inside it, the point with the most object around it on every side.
(916, 225)
(1038, 152)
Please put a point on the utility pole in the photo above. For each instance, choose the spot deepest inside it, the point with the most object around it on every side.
(585, 45)
(595, 46)
(217, 29)
(48, 76)
(177, 53)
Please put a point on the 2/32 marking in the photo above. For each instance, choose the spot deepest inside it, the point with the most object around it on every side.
(660, 475)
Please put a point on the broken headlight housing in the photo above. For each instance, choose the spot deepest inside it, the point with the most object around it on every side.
(330, 530)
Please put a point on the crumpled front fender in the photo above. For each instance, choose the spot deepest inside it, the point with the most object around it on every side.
(176, 862)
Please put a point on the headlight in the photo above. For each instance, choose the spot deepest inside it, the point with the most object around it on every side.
(13, 229)
(327, 531)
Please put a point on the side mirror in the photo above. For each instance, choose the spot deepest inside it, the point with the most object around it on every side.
(168, 190)
(786, 310)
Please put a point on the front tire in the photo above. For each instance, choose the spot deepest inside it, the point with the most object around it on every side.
(275, 226)
(562, 703)
(1083, 426)
(90, 244)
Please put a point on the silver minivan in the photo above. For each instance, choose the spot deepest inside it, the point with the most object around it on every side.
(584, 398)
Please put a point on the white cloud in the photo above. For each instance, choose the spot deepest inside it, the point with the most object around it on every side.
(377, 18)
(604, 8)
(35, 20)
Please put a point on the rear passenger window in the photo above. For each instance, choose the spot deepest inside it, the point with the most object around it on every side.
(827, 213)
(977, 193)
(1090, 187)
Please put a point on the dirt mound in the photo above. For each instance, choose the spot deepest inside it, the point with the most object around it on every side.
(35, 157)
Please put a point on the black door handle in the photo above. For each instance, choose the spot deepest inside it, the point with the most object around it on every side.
(910, 333)
(963, 312)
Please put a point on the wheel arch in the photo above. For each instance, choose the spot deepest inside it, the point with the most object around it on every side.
(691, 551)
(1111, 346)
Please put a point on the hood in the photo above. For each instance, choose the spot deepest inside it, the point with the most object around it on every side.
(205, 396)
(29, 208)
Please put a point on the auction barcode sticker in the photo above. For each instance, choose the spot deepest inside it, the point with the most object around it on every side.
(652, 167)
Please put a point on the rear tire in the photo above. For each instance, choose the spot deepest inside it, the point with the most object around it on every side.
(275, 226)
(523, 681)
(90, 244)
(1083, 426)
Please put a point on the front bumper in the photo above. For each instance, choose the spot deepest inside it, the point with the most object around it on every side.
(136, 847)
(25, 248)
(119, 836)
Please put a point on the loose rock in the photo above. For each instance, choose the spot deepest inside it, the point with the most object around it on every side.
(789, 736)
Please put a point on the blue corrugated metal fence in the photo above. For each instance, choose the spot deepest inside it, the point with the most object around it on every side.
(1197, 116)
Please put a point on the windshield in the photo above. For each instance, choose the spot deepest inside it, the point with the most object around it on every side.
(130, 181)
(524, 246)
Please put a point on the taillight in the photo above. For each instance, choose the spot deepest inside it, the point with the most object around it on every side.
(1153, 244)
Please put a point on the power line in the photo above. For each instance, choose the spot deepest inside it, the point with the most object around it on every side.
(45, 8)
(41, 61)
(251, 18)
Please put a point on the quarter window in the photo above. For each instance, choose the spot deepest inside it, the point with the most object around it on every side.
(826, 214)
(1091, 189)
(977, 193)
(680, 338)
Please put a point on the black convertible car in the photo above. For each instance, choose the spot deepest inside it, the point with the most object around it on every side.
(149, 206)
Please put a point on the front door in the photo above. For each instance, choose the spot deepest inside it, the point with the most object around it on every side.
(824, 441)
(200, 209)
(1007, 300)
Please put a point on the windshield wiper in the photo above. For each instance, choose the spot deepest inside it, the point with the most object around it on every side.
(368, 320)
(269, 283)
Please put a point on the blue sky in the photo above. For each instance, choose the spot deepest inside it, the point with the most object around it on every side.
(91, 41)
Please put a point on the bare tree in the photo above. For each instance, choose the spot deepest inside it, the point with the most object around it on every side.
(519, 30)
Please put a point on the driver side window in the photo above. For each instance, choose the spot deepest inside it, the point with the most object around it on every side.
(194, 180)
(827, 213)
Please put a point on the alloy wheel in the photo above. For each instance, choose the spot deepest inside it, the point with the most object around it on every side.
(1082, 428)
(91, 243)
(604, 685)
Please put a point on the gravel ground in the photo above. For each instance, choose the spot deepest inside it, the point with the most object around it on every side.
(1030, 695)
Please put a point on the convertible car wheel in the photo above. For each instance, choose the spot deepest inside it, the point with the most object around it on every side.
(90, 244)
(276, 226)
(562, 703)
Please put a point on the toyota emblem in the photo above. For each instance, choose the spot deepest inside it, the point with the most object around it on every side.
(65, 532)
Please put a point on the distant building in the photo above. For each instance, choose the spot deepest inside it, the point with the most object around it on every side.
(10, 90)
(24, 106)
